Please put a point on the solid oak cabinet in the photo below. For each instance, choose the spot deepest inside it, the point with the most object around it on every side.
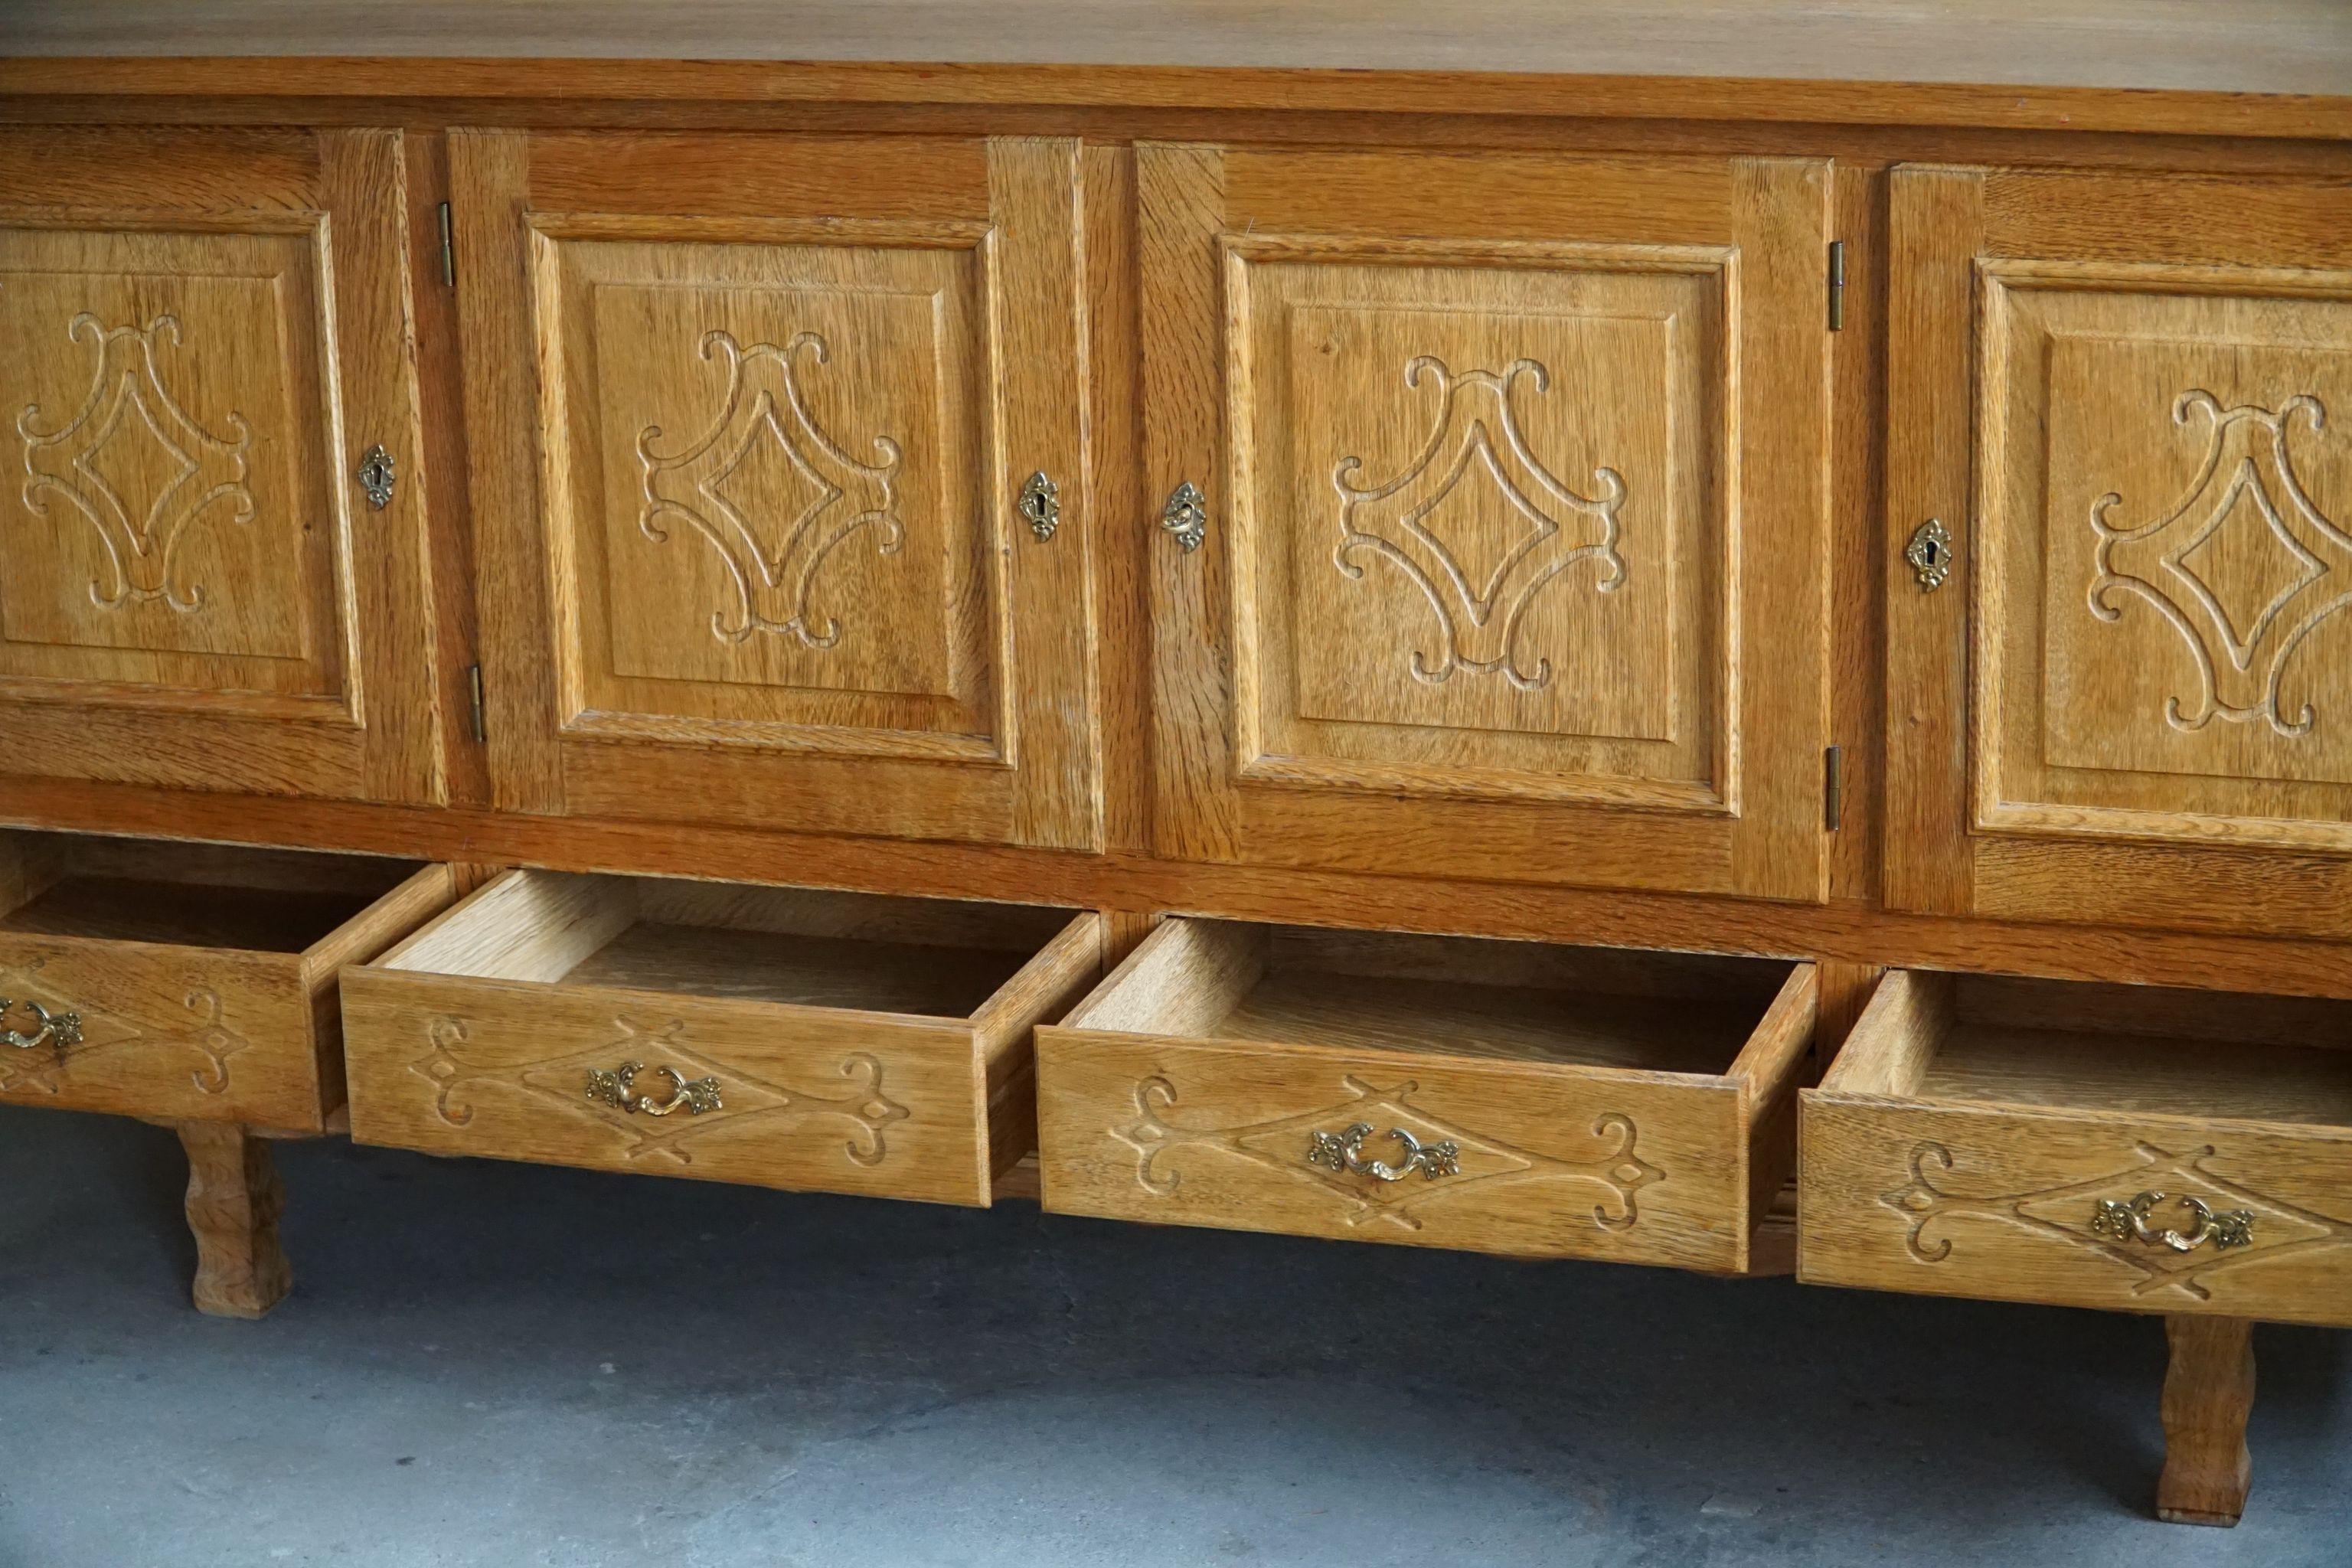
(1506, 484)
(2124, 679)
(755, 419)
(209, 583)
(1503, 607)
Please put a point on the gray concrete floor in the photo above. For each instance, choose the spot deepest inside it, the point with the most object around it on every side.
(501, 1365)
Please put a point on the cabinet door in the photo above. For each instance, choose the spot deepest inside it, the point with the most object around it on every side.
(202, 335)
(1497, 497)
(2127, 403)
(755, 421)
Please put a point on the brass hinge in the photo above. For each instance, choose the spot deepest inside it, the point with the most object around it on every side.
(449, 249)
(1834, 788)
(1837, 284)
(474, 677)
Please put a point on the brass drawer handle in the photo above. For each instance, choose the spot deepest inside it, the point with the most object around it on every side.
(2127, 1221)
(60, 1029)
(617, 1087)
(1345, 1151)
(1186, 516)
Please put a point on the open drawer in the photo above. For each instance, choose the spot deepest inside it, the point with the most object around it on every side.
(188, 982)
(1509, 1096)
(779, 1036)
(2087, 1145)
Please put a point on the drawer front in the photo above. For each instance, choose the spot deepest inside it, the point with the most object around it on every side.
(1544, 1162)
(2036, 1206)
(148, 1031)
(798, 1098)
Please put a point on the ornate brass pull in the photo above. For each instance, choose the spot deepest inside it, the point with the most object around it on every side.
(1345, 1151)
(2127, 1221)
(59, 1029)
(1041, 505)
(1186, 516)
(376, 476)
(619, 1088)
(1929, 554)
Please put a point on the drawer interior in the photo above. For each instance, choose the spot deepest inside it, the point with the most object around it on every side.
(1460, 997)
(863, 951)
(187, 895)
(2141, 1049)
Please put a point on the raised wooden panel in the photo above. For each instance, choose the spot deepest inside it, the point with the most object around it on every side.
(2152, 594)
(771, 465)
(2162, 495)
(197, 592)
(774, 550)
(1505, 530)
(1472, 564)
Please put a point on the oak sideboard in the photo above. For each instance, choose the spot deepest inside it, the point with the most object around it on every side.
(1714, 637)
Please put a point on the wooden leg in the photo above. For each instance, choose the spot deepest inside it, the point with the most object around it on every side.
(2209, 1391)
(234, 1201)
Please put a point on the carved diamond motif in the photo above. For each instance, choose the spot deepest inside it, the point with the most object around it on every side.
(771, 492)
(136, 466)
(2067, 1214)
(2244, 567)
(1479, 602)
(861, 1103)
(1283, 1146)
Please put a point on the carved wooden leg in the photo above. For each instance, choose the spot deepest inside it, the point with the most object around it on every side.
(234, 1201)
(2209, 1391)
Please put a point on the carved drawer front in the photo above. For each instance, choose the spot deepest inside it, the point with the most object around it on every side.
(187, 982)
(786, 1038)
(2087, 1145)
(2130, 672)
(1503, 1097)
(1505, 553)
(808, 542)
(204, 339)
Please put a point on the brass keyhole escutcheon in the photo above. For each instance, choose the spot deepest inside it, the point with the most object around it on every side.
(376, 476)
(1929, 554)
(1041, 505)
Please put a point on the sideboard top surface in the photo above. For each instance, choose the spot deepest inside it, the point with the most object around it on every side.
(2263, 66)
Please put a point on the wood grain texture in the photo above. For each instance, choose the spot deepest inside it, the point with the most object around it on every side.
(1193, 1085)
(1969, 1134)
(2149, 602)
(1504, 532)
(2209, 1392)
(782, 412)
(2173, 943)
(196, 1000)
(881, 1062)
(2281, 66)
(234, 1201)
(201, 598)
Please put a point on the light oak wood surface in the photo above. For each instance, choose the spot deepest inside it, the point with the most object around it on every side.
(1975, 1136)
(2209, 1392)
(235, 1199)
(199, 982)
(207, 334)
(1571, 1114)
(848, 1043)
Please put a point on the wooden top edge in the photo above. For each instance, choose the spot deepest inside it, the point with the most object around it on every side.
(457, 85)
